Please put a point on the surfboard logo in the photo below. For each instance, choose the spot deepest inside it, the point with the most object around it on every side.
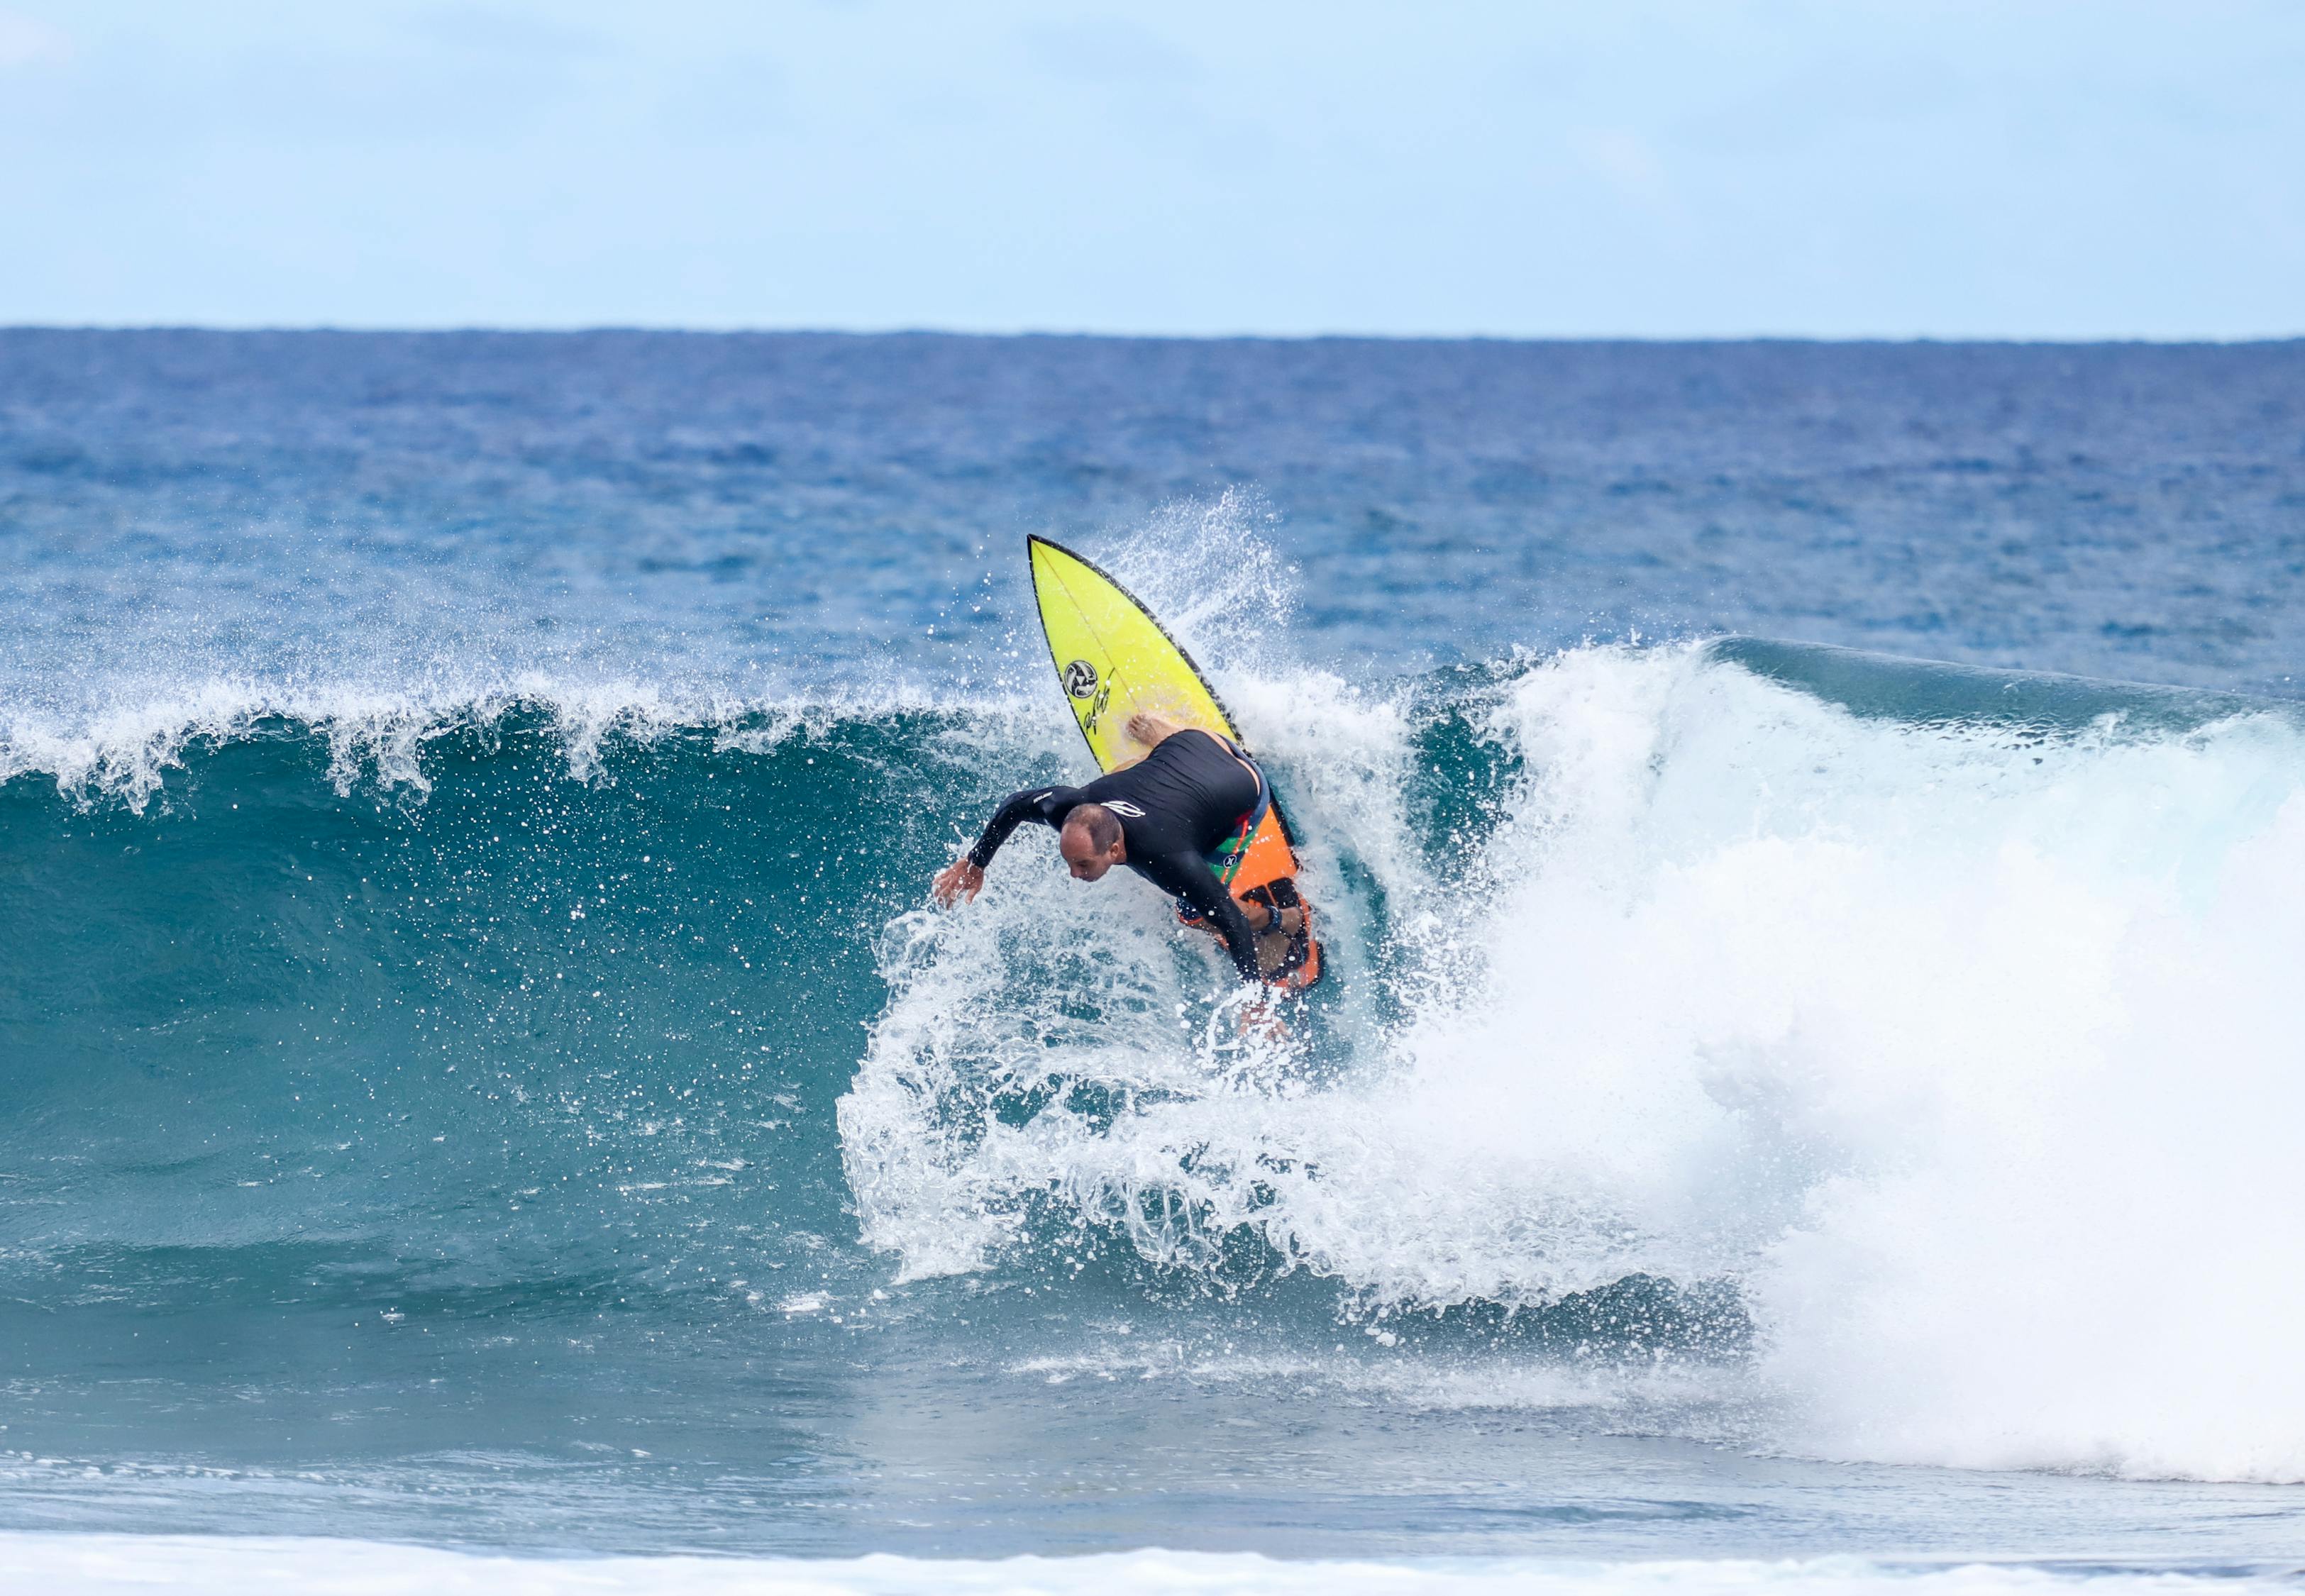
(1080, 678)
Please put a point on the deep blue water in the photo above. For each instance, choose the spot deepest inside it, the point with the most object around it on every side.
(695, 502)
(480, 1070)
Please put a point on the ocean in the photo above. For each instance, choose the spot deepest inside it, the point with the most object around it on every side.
(1811, 840)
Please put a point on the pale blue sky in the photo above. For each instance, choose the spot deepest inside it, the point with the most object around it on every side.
(1935, 167)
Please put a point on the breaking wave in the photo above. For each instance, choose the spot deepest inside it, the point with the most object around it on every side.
(1912, 1049)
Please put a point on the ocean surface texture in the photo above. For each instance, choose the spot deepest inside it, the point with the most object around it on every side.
(481, 1072)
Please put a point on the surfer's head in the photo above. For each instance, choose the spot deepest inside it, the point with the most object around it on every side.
(1091, 841)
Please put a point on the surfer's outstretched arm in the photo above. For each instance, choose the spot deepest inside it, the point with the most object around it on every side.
(964, 878)
(1048, 806)
(1189, 877)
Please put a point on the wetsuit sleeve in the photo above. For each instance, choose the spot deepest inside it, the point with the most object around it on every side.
(1188, 876)
(1047, 805)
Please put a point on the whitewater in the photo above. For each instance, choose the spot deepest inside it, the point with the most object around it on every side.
(486, 1077)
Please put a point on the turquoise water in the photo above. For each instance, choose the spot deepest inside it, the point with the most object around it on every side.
(483, 1074)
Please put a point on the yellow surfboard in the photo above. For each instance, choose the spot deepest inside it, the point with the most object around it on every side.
(1113, 661)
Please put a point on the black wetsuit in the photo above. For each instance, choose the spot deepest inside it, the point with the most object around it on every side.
(1175, 807)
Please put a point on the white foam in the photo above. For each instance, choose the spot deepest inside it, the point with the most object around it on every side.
(66, 1565)
(377, 735)
(1972, 1059)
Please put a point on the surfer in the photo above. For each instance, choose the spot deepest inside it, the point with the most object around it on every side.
(1171, 817)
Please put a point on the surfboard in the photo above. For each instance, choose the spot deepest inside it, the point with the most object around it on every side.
(1114, 660)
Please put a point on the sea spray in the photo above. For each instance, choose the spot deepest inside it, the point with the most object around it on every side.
(1959, 1050)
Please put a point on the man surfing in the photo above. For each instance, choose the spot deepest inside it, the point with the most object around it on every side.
(1177, 817)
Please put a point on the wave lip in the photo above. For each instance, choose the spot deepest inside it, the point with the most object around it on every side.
(377, 735)
(1935, 693)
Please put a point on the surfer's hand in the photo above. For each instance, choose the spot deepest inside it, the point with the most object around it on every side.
(959, 879)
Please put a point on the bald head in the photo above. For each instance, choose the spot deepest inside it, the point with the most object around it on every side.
(1091, 841)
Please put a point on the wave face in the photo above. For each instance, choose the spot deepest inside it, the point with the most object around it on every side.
(1906, 1082)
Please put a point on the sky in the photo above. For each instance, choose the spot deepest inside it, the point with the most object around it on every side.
(1646, 168)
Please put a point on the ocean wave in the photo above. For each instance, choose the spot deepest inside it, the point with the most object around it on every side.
(1953, 1049)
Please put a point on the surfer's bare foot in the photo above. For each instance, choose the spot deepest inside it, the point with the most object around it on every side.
(1151, 730)
(1261, 1017)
